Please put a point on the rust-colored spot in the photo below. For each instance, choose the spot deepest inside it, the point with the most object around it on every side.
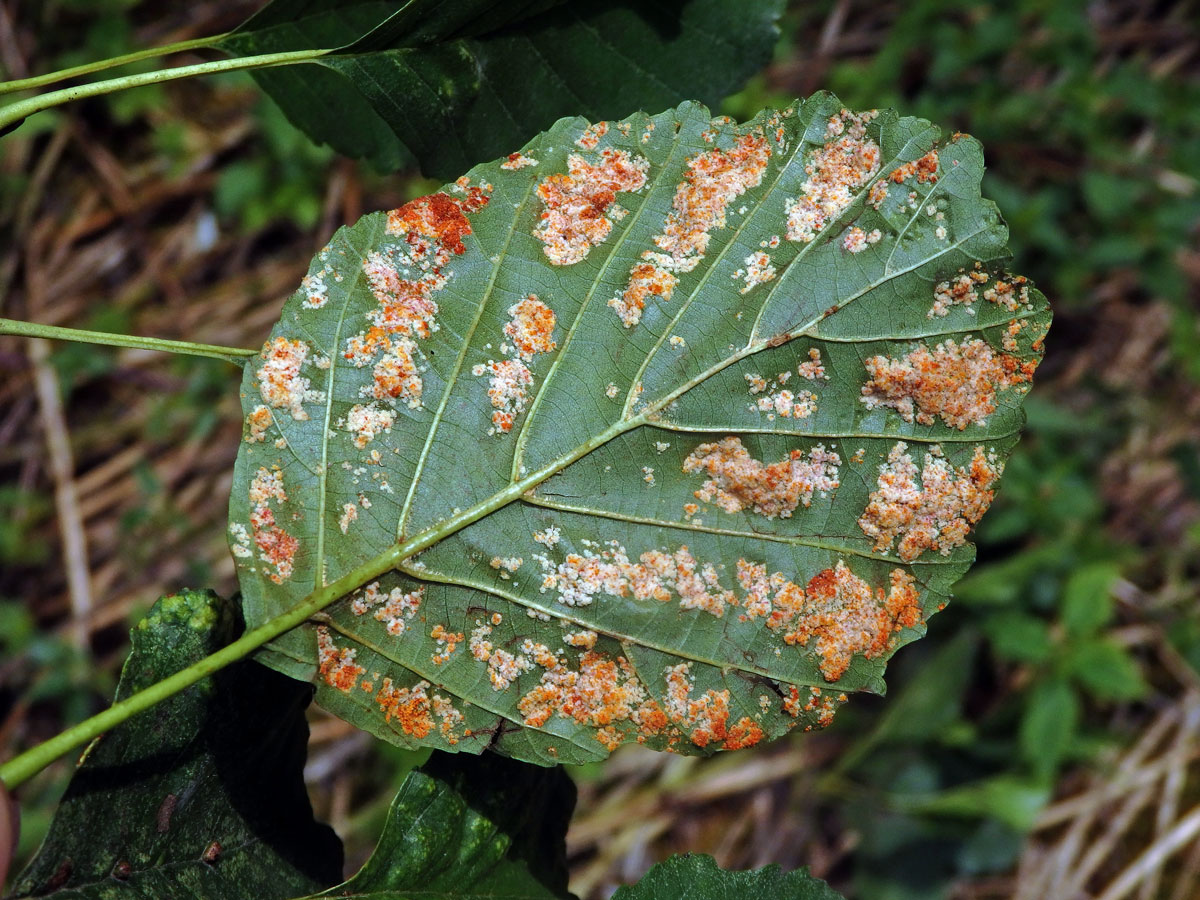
(924, 168)
(257, 423)
(395, 374)
(438, 217)
(603, 692)
(409, 708)
(956, 382)
(336, 665)
(935, 514)
(746, 733)
(279, 379)
(1009, 292)
(712, 180)
(393, 608)
(846, 617)
(837, 608)
(432, 229)
(517, 161)
(704, 718)
(573, 217)
(508, 392)
(836, 170)
(275, 546)
(658, 575)
(366, 423)
(531, 328)
(738, 481)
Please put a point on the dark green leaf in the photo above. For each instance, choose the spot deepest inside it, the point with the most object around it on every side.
(200, 797)
(465, 827)
(695, 524)
(458, 83)
(694, 877)
(1006, 798)
(1087, 603)
(1019, 636)
(1105, 670)
(1048, 725)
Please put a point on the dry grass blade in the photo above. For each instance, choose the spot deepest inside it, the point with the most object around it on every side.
(1102, 851)
(66, 497)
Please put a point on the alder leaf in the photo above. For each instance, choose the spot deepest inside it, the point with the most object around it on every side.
(201, 797)
(667, 430)
(471, 828)
(458, 83)
(695, 877)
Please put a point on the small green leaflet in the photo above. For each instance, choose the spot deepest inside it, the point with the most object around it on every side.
(680, 425)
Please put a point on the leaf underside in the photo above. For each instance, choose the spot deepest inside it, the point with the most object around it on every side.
(693, 418)
(458, 83)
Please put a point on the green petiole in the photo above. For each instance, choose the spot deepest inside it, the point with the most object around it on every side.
(39, 81)
(235, 355)
(12, 115)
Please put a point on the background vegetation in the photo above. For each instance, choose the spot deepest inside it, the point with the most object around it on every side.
(1043, 741)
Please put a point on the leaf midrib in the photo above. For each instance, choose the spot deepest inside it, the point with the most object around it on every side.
(522, 437)
(685, 304)
(323, 469)
(453, 380)
(795, 540)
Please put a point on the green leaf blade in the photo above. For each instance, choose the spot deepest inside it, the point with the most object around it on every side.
(487, 827)
(694, 523)
(696, 877)
(450, 81)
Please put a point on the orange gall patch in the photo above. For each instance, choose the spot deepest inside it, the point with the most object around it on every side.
(408, 707)
(957, 383)
(531, 328)
(746, 733)
(712, 180)
(738, 481)
(924, 168)
(275, 546)
(437, 217)
(573, 216)
(935, 514)
(257, 423)
(279, 379)
(336, 666)
(846, 617)
(835, 172)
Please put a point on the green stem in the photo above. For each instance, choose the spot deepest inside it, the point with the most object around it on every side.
(13, 114)
(235, 355)
(21, 768)
(39, 81)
